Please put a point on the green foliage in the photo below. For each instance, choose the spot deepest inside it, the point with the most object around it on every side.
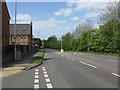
(37, 41)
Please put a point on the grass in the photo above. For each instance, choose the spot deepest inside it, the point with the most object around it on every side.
(39, 57)
(98, 53)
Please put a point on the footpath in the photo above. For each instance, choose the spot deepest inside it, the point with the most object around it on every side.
(17, 67)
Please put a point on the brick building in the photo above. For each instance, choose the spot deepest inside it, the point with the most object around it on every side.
(23, 34)
(4, 24)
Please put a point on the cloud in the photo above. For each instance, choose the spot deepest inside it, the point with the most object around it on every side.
(91, 14)
(75, 18)
(23, 17)
(64, 11)
(51, 23)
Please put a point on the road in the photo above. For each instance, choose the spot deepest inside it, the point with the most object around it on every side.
(68, 70)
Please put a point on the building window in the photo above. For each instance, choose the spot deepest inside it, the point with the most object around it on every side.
(25, 38)
(13, 37)
(21, 38)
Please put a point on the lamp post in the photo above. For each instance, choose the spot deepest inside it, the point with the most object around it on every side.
(88, 33)
(15, 28)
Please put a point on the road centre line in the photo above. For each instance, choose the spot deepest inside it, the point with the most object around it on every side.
(47, 80)
(49, 85)
(88, 64)
(36, 86)
(116, 74)
(36, 73)
(36, 76)
(36, 80)
(36, 69)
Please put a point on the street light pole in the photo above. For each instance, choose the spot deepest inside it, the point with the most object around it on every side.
(61, 43)
(88, 34)
(15, 27)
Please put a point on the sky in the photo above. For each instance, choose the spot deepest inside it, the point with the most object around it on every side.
(55, 18)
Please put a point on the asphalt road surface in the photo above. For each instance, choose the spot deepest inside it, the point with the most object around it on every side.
(68, 70)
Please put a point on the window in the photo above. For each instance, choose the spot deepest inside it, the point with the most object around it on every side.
(25, 38)
(21, 38)
(13, 37)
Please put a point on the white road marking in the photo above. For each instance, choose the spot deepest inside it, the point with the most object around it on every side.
(36, 81)
(68, 57)
(45, 76)
(36, 86)
(116, 74)
(36, 76)
(73, 59)
(49, 85)
(47, 80)
(43, 67)
(36, 69)
(36, 72)
(45, 72)
(88, 64)
(75, 53)
(112, 60)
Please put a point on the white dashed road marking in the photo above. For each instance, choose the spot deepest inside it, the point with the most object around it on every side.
(36, 69)
(88, 64)
(116, 74)
(36, 80)
(48, 82)
(73, 59)
(45, 76)
(49, 85)
(36, 86)
(36, 73)
(36, 76)
(45, 72)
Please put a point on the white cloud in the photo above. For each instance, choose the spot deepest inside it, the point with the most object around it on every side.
(75, 18)
(23, 17)
(64, 11)
(91, 14)
(51, 23)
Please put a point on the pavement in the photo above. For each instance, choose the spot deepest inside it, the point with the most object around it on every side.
(68, 70)
(17, 67)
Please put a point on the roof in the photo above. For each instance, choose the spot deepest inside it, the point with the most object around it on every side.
(21, 29)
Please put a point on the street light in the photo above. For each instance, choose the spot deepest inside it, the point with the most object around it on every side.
(88, 33)
(15, 28)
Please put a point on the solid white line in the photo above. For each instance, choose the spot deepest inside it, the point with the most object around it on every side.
(49, 85)
(36, 81)
(36, 69)
(87, 64)
(36, 72)
(36, 76)
(36, 86)
(45, 76)
(116, 74)
(47, 80)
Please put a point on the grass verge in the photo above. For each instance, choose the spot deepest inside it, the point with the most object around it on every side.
(98, 53)
(39, 57)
